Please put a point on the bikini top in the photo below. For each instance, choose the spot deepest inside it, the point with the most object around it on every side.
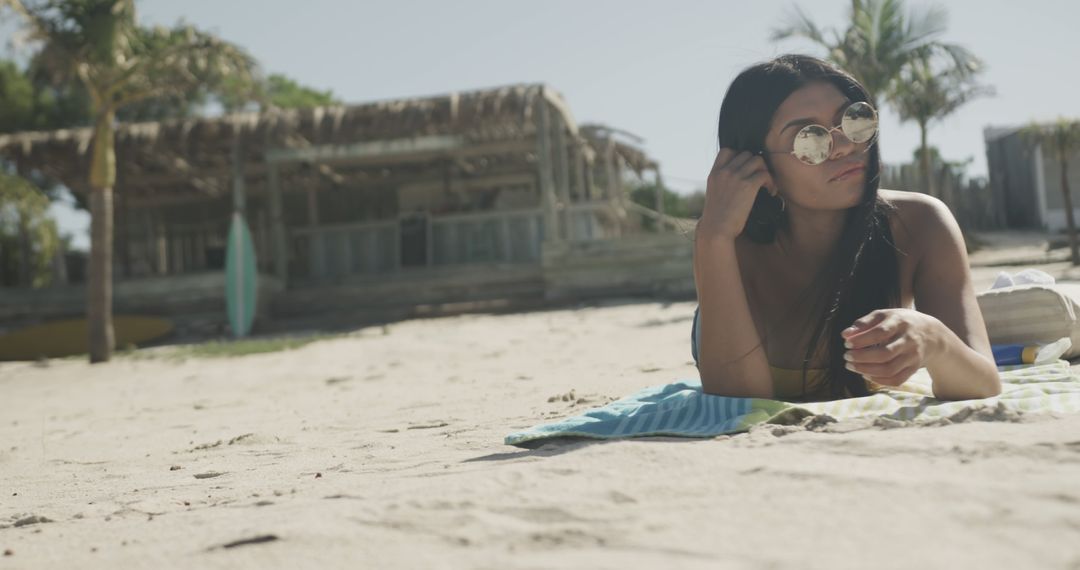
(787, 382)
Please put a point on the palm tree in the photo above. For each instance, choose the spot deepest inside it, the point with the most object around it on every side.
(880, 41)
(28, 235)
(923, 95)
(98, 44)
(1062, 138)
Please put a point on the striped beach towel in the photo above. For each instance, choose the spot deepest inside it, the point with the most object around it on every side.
(682, 409)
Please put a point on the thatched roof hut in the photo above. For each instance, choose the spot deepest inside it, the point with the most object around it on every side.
(311, 180)
(170, 161)
(368, 207)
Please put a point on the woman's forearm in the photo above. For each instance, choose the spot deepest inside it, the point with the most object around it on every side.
(959, 372)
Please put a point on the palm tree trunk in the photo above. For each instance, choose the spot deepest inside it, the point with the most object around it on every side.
(1069, 220)
(924, 160)
(99, 282)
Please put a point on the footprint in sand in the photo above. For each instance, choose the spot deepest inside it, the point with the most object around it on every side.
(575, 400)
(429, 425)
(621, 498)
(32, 519)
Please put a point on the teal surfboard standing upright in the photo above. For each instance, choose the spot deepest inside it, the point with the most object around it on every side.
(241, 285)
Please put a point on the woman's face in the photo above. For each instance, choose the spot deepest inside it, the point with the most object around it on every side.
(815, 186)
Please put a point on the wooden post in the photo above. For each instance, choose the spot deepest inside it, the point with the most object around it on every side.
(429, 238)
(277, 224)
(562, 175)
(590, 182)
(543, 166)
(620, 192)
(316, 240)
(147, 250)
(659, 200)
(262, 234)
(610, 171)
(123, 240)
(534, 239)
(161, 245)
(206, 230)
(579, 172)
(397, 246)
(613, 188)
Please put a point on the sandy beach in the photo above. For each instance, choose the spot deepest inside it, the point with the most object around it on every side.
(383, 448)
(378, 271)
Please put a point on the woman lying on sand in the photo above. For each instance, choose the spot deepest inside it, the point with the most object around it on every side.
(807, 275)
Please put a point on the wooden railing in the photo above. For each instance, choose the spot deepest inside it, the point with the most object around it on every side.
(422, 240)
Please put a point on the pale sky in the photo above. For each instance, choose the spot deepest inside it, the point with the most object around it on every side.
(656, 69)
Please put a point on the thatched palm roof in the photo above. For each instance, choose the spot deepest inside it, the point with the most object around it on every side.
(194, 155)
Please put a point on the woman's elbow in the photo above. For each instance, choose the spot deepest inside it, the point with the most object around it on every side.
(991, 390)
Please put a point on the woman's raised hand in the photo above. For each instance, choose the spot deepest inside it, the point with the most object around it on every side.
(730, 193)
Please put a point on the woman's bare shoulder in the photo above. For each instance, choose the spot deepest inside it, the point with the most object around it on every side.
(915, 211)
(909, 203)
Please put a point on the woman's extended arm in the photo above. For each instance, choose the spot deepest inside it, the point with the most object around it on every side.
(963, 367)
(946, 334)
(732, 359)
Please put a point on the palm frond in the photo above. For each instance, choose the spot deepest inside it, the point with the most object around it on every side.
(1060, 137)
(800, 25)
(924, 27)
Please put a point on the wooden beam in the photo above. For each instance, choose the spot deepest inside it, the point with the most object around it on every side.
(277, 226)
(470, 184)
(161, 246)
(348, 154)
(543, 165)
(579, 171)
(590, 181)
(610, 172)
(561, 167)
(256, 170)
(374, 149)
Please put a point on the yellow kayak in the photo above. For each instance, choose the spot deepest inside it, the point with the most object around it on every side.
(69, 337)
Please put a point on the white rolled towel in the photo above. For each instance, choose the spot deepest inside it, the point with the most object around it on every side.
(1023, 277)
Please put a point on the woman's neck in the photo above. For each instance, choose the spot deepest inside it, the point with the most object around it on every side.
(811, 236)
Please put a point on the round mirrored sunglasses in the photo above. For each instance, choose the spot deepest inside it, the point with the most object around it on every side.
(813, 143)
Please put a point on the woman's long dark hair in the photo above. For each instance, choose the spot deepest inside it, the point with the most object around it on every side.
(862, 273)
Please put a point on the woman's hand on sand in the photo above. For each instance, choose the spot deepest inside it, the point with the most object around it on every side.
(887, 346)
(730, 192)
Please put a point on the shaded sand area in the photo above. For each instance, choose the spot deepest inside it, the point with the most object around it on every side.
(383, 449)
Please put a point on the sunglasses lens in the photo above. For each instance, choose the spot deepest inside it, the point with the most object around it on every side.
(860, 122)
(812, 144)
